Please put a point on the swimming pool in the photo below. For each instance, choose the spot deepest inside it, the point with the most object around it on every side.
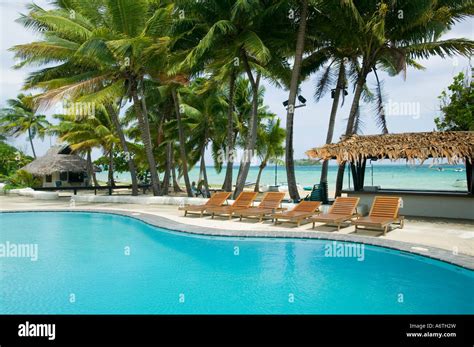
(95, 263)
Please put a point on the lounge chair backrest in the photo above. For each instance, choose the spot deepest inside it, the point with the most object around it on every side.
(245, 199)
(272, 200)
(307, 206)
(344, 206)
(218, 199)
(385, 206)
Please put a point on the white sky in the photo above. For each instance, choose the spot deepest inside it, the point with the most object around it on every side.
(420, 87)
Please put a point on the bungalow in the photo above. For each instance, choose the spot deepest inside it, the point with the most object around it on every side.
(60, 167)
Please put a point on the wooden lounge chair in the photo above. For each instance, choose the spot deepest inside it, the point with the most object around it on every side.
(215, 200)
(383, 213)
(341, 211)
(243, 201)
(269, 204)
(302, 211)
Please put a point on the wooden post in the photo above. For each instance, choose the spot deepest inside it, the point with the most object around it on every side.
(363, 165)
(470, 175)
(358, 174)
(354, 176)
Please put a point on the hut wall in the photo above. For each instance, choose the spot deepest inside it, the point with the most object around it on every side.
(420, 205)
(56, 177)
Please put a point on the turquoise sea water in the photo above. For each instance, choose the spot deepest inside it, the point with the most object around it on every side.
(386, 176)
(83, 267)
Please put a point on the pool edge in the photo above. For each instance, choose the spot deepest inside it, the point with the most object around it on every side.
(462, 260)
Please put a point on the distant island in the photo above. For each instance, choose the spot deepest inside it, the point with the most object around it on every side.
(307, 162)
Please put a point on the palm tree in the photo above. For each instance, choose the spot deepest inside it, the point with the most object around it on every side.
(20, 117)
(114, 115)
(84, 133)
(295, 81)
(340, 89)
(270, 145)
(204, 113)
(239, 27)
(210, 22)
(384, 39)
(182, 140)
(105, 48)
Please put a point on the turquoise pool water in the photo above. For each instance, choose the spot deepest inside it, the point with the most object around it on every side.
(106, 264)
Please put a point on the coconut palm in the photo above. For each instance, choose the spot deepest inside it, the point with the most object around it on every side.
(106, 48)
(267, 130)
(84, 133)
(234, 33)
(391, 34)
(205, 116)
(208, 22)
(294, 84)
(270, 145)
(20, 118)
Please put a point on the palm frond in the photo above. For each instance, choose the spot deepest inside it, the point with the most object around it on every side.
(379, 106)
(128, 16)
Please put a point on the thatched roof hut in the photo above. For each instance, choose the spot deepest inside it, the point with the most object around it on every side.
(454, 146)
(57, 159)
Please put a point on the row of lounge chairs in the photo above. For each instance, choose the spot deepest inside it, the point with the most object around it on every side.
(383, 213)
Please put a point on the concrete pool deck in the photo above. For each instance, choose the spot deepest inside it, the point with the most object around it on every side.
(449, 240)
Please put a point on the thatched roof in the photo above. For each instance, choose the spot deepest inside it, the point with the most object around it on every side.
(57, 159)
(454, 146)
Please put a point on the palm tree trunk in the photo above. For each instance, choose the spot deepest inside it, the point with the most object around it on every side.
(31, 143)
(146, 138)
(295, 79)
(332, 119)
(263, 165)
(350, 124)
(166, 178)
(204, 172)
(182, 149)
(90, 167)
(176, 187)
(111, 168)
(90, 171)
(252, 137)
(94, 178)
(131, 164)
(230, 135)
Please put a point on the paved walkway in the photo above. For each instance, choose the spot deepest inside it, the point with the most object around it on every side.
(456, 237)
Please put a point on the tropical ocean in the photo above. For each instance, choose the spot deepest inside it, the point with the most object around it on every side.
(440, 177)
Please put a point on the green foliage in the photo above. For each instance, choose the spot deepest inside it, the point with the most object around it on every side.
(457, 106)
(131, 54)
(270, 141)
(307, 162)
(11, 159)
(20, 118)
(22, 179)
(120, 162)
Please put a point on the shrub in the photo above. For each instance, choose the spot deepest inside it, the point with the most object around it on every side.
(11, 160)
(22, 179)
